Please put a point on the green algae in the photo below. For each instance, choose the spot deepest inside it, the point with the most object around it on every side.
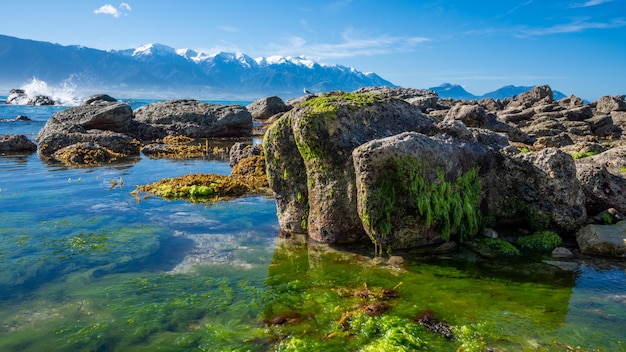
(300, 297)
(320, 121)
(541, 241)
(583, 155)
(405, 188)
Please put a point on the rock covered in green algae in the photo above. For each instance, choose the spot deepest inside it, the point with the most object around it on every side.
(325, 130)
(334, 193)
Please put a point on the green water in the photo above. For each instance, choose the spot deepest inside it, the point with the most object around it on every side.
(84, 266)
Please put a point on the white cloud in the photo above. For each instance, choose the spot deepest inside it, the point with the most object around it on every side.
(573, 27)
(592, 3)
(109, 9)
(349, 46)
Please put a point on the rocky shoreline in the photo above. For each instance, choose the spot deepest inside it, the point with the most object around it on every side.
(399, 166)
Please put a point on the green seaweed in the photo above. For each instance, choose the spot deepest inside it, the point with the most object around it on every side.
(541, 241)
(622, 170)
(440, 203)
(495, 248)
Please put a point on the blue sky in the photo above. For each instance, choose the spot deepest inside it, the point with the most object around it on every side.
(576, 46)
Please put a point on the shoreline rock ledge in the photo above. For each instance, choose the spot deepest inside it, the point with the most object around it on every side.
(345, 167)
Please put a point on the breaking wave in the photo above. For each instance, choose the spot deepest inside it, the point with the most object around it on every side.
(63, 94)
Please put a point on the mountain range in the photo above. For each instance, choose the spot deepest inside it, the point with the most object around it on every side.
(455, 91)
(156, 71)
(159, 69)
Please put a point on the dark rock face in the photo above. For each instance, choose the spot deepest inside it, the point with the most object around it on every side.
(191, 118)
(16, 143)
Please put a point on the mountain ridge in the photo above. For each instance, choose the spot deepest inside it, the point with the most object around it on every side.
(455, 91)
(160, 68)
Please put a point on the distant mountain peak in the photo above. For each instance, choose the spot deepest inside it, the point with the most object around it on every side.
(154, 49)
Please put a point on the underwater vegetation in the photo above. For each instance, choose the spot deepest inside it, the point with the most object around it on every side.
(247, 177)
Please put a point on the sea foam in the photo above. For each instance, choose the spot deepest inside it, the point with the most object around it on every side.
(63, 94)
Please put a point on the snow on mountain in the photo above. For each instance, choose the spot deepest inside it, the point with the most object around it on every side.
(182, 72)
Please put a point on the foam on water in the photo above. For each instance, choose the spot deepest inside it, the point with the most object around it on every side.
(64, 94)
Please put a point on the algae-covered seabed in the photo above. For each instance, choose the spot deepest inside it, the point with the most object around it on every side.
(85, 267)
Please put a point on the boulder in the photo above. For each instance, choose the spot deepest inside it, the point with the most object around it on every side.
(98, 115)
(40, 100)
(191, 118)
(16, 143)
(571, 102)
(537, 95)
(470, 115)
(608, 104)
(241, 151)
(265, 108)
(99, 97)
(603, 180)
(603, 240)
(409, 184)
(17, 97)
(326, 129)
(538, 188)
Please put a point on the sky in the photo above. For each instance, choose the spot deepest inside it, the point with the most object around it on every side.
(575, 46)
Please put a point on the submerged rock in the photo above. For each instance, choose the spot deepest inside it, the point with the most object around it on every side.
(603, 240)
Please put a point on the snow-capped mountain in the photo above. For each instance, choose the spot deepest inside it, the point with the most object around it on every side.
(160, 68)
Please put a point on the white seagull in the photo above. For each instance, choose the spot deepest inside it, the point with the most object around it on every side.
(306, 91)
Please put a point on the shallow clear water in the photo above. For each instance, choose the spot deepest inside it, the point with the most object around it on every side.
(86, 266)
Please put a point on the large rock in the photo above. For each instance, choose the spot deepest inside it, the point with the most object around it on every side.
(16, 143)
(603, 179)
(263, 109)
(101, 122)
(414, 190)
(98, 115)
(537, 95)
(326, 129)
(540, 188)
(191, 118)
(604, 240)
(608, 104)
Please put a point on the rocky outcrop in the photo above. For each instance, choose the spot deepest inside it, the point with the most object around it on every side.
(604, 240)
(16, 143)
(362, 174)
(191, 118)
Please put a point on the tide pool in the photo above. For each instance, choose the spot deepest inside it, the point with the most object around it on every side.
(87, 266)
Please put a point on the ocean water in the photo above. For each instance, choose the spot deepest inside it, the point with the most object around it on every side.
(87, 266)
